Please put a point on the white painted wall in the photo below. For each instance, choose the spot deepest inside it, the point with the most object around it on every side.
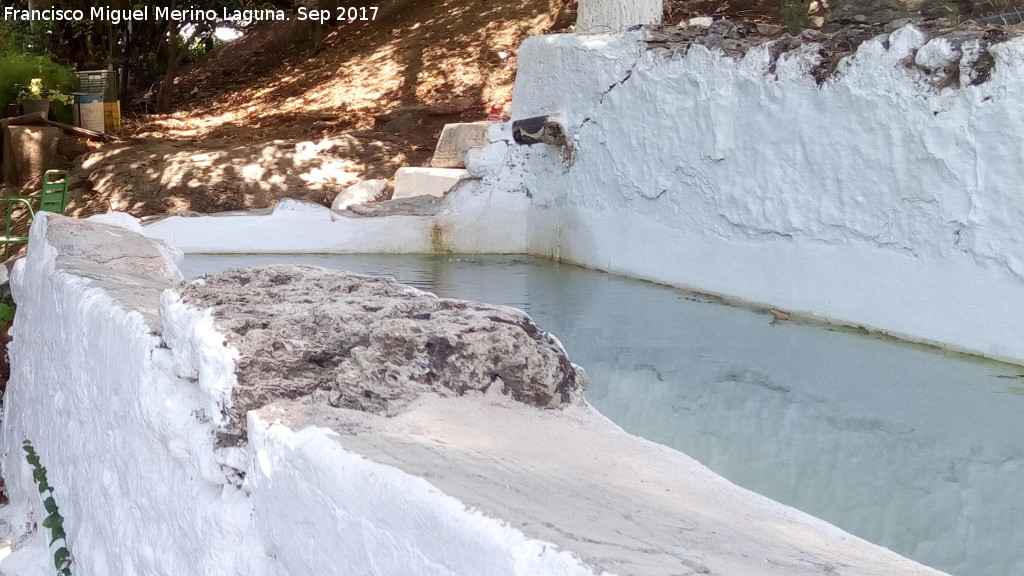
(615, 15)
(309, 490)
(871, 200)
(483, 223)
(119, 420)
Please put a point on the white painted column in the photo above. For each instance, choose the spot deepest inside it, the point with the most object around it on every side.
(615, 15)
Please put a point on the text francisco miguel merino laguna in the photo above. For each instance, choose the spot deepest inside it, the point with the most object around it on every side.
(139, 14)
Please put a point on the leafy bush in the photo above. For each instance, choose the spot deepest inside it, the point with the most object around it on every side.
(54, 521)
(18, 70)
(794, 14)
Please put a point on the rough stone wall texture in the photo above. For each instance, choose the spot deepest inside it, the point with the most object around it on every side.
(372, 344)
(615, 15)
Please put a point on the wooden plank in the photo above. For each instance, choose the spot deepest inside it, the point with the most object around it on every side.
(39, 118)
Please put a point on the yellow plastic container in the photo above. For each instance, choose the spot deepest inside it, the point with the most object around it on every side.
(112, 116)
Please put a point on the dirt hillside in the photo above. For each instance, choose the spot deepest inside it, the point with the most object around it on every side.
(274, 115)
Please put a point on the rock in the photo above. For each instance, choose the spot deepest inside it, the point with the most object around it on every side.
(70, 147)
(723, 28)
(455, 141)
(810, 35)
(132, 269)
(415, 206)
(362, 193)
(943, 8)
(770, 30)
(401, 124)
(412, 181)
(119, 220)
(121, 246)
(897, 24)
(369, 343)
(864, 11)
(700, 21)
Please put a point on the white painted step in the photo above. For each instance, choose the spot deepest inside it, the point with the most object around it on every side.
(455, 141)
(410, 182)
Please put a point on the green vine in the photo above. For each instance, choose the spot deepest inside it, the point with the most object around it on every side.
(54, 521)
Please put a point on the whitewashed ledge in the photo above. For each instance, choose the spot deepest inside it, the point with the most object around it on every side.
(481, 224)
(485, 486)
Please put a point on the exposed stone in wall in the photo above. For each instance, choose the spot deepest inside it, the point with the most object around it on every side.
(615, 15)
(372, 344)
(827, 48)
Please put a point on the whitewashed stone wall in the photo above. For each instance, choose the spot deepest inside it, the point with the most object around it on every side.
(616, 15)
(875, 199)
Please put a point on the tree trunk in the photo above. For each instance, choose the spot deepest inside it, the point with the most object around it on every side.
(319, 29)
(165, 98)
(126, 57)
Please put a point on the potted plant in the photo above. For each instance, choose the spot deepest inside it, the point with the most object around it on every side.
(37, 99)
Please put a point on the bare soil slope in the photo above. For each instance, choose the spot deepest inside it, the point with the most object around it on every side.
(274, 115)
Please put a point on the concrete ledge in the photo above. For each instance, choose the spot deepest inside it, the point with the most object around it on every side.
(496, 225)
(411, 182)
(515, 490)
(455, 141)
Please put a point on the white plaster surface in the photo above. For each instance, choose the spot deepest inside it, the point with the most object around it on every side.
(118, 219)
(623, 505)
(361, 192)
(120, 422)
(411, 182)
(485, 222)
(124, 415)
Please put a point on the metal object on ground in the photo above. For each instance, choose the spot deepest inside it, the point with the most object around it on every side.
(52, 198)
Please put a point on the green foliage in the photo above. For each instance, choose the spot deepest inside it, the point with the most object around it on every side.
(18, 70)
(54, 521)
(7, 305)
(36, 91)
(21, 37)
(794, 14)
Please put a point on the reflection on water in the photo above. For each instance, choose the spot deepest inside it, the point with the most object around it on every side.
(908, 447)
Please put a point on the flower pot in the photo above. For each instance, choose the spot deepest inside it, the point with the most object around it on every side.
(13, 110)
(30, 106)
